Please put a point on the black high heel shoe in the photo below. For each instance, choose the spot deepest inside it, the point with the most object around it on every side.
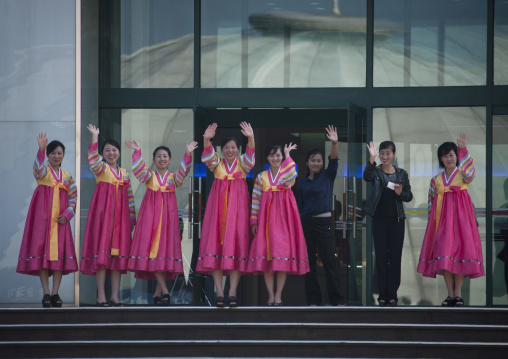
(46, 301)
(56, 301)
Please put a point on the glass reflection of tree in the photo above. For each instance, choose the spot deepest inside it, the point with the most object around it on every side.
(501, 247)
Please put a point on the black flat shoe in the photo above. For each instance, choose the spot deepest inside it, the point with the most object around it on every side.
(165, 300)
(103, 304)
(56, 301)
(46, 301)
(449, 302)
(219, 302)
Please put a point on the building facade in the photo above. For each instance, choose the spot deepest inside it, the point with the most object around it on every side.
(159, 71)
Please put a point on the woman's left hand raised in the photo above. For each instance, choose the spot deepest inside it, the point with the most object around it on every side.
(289, 148)
(247, 130)
(189, 147)
(331, 134)
(462, 140)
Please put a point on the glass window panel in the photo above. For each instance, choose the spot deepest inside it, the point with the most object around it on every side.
(501, 43)
(417, 133)
(151, 42)
(37, 94)
(500, 209)
(430, 43)
(288, 43)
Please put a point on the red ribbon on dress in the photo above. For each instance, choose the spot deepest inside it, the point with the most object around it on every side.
(224, 215)
(115, 244)
(157, 223)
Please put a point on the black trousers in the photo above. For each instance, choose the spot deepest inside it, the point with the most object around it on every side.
(319, 236)
(388, 233)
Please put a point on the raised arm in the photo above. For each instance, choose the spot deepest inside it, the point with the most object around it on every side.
(466, 162)
(248, 132)
(247, 160)
(39, 169)
(288, 166)
(331, 134)
(139, 167)
(132, 206)
(368, 173)
(209, 156)
(94, 160)
(183, 170)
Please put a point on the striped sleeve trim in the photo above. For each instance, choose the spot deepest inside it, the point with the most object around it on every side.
(257, 192)
(288, 172)
(466, 165)
(139, 168)
(183, 170)
(39, 169)
(432, 193)
(94, 160)
(73, 199)
(247, 160)
(132, 206)
(210, 157)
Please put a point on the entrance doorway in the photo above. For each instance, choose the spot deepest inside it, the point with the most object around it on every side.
(306, 128)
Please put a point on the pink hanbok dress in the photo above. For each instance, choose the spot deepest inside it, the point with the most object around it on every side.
(279, 244)
(156, 245)
(225, 234)
(46, 243)
(452, 241)
(107, 238)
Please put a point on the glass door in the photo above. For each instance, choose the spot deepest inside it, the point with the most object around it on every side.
(306, 128)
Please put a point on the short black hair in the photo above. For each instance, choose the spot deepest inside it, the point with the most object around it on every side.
(162, 148)
(272, 148)
(228, 138)
(313, 152)
(53, 145)
(387, 144)
(445, 149)
(111, 142)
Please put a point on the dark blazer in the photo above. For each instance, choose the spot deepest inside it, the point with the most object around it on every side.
(373, 174)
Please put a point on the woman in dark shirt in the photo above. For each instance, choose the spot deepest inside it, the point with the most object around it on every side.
(390, 187)
(315, 207)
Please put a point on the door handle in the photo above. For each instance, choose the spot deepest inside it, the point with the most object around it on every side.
(354, 207)
(200, 201)
(190, 207)
(344, 208)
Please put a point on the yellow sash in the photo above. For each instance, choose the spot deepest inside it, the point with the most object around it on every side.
(221, 173)
(49, 180)
(456, 186)
(153, 184)
(109, 177)
(266, 188)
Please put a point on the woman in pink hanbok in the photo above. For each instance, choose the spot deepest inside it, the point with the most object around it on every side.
(224, 246)
(111, 219)
(156, 251)
(47, 247)
(278, 245)
(452, 246)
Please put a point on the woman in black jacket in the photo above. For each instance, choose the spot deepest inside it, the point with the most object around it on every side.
(390, 187)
